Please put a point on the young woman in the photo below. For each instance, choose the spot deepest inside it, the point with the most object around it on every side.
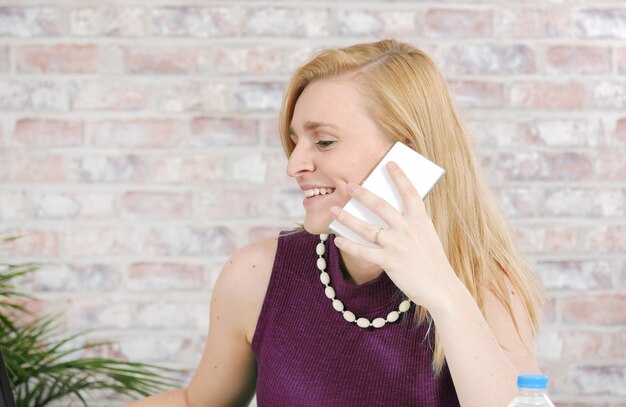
(442, 313)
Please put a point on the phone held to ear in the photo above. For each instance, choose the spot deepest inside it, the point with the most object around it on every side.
(422, 173)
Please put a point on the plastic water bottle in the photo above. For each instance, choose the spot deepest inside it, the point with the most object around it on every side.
(532, 391)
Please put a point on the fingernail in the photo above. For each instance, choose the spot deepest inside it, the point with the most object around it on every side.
(392, 165)
(335, 211)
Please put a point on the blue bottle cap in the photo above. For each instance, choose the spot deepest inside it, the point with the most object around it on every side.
(532, 381)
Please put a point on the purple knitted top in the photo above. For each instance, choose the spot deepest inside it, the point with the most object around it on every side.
(308, 355)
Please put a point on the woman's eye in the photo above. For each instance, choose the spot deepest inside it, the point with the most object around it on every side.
(324, 143)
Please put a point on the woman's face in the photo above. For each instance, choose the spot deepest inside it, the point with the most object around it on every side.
(336, 143)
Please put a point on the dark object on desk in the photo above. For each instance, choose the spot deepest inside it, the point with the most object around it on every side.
(6, 394)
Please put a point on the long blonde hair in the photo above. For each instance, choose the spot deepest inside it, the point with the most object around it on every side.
(409, 100)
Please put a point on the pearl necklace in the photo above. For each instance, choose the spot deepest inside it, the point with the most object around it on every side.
(349, 316)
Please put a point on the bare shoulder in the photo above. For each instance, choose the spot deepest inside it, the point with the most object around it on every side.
(244, 280)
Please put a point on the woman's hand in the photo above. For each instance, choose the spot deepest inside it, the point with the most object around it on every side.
(410, 251)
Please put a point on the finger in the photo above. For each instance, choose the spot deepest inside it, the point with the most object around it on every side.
(370, 254)
(376, 204)
(411, 199)
(364, 229)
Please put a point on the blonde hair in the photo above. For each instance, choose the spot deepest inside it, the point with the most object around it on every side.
(409, 100)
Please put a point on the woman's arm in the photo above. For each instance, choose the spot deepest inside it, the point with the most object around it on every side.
(484, 354)
(226, 374)
(482, 361)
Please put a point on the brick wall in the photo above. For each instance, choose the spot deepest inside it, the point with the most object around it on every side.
(139, 150)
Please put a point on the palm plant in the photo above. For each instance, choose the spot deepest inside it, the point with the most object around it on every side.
(44, 366)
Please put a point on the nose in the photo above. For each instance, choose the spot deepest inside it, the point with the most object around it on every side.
(299, 161)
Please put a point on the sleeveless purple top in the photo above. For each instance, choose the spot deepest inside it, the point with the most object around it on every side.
(308, 355)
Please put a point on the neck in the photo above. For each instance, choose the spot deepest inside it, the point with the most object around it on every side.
(359, 270)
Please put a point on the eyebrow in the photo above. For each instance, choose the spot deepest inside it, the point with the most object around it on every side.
(311, 125)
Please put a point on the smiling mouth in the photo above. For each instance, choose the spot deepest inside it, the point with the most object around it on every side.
(310, 193)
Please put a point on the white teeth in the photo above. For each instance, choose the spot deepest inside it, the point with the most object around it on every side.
(317, 191)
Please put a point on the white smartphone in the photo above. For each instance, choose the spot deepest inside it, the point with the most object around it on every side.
(422, 173)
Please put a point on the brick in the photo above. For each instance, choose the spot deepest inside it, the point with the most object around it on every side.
(603, 309)
(299, 56)
(249, 168)
(108, 240)
(276, 170)
(14, 95)
(27, 22)
(590, 344)
(162, 348)
(73, 205)
(61, 58)
(95, 277)
(546, 239)
(619, 136)
(240, 203)
(621, 60)
(496, 133)
(609, 95)
(269, 133)
(166, 61)
(116, 95)
(565, 133)
(195, 96)
(5, 59)
(48, 96)
(203, 22)
(545, 95)
(611, 166)
(148, 133)
(33, 243)
(398, 23)
(151, 277)
(531, 23)
(190, 241)
(106, 312)
(359, 23)
(12, 205)
(489, 59)
(289, 203)
(188, 169)
(449, 23)
(164, 314)
(105, 169)
(253, 96)
(287, 22)
(583, 202)
(251, 59)
(474, 94)
(578, 60)
(575, 275)
(27, 167)
(518, 202)
(599, 380)
(606, 239)
(114, 21)
(156, 205)
(600, 23)
(566, 166)
(549, 346)
(257, 233)
(48, 133)
(224, 131)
